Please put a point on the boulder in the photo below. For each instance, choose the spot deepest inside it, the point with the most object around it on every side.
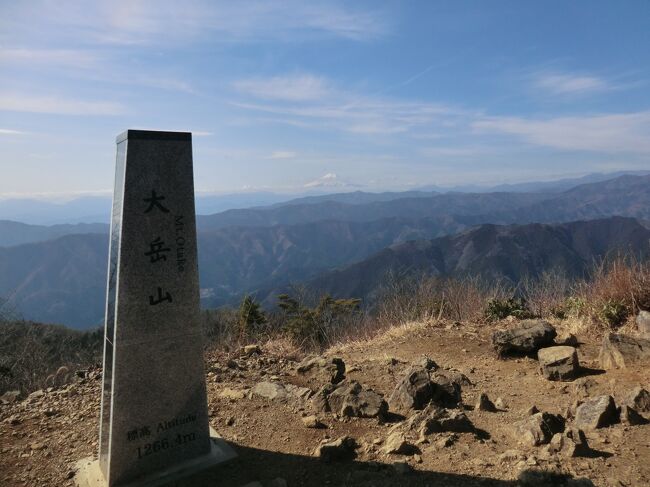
(483, 403)
(639, 399)
(596, 412)
(337, 450)
(643, 323)
(352, 400)
(434, 419)
(319, 401)
(558, 363)
(631, 417)
(571, 443)
(618, 351)
(322, 370)
(528, 337)
(447, 388)
(537, 429)
(413, 391)
(568, 339)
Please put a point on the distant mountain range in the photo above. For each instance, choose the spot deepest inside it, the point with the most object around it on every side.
(262, 250)
(96, 209)
(493, 251)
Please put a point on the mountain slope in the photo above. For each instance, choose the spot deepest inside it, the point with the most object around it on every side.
(493, 251)
(15, 233)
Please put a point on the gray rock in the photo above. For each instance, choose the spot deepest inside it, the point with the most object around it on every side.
(643, 323)
(396, 443)
(319, 401)
(10, 397)
(434, 419)
(568, 339)
(631, 417)
(596, 412)
(426, 363)
(639, 399)
(558, 363)
(402, 468)
(352, 400)
(584, 386)
(337, 450)
(413, 391)
(619, 351)
(528, 337)
(537, 429)
(447, 390)
(483, 403)
(322, 369)
(273, 391)
(571, 443)
(248, 350)
(312, 422)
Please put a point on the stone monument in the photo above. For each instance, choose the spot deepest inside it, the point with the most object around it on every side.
(154, 419)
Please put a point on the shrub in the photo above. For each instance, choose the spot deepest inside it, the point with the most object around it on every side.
(613, 313)
(498, 309)
(251, 317)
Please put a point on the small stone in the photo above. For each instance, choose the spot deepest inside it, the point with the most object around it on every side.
(568, 339)
(596, 412)
(537, 429)
(584, 387)
(269, 390)
(351, 400)
(10, 397)
(558, 363)
(249, 350)
(38, 446)
(643, 323)
(230, 421)
(312, 422)
(532, 410)
(631, 417)
(232, 394)
(484, 404)
(35, 395)
(337, 450)
(396, 443)
(639, 399)
(500, 404)
(426, 363)
(322, 369)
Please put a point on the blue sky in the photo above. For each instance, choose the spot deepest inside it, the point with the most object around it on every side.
(287, 95)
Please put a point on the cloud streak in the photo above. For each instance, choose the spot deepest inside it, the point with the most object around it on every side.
(611, 133)
(14, 102)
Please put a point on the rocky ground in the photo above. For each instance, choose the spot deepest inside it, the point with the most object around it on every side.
(425, 404)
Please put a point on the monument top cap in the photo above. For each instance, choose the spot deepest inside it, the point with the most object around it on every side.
(153, 135)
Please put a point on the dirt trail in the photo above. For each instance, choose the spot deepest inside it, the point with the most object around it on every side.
(42, 437)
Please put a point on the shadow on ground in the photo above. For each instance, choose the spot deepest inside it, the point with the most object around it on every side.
(264, 466)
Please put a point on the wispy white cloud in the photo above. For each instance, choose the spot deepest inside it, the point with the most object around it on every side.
(75, 58)
(289, 88)
(12, 132)
(129, 22)
(15, 102)
(567, 84)
(282, 154)
(315, 102)
(621, 132)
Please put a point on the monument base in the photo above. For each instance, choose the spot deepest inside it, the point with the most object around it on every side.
(90, 475)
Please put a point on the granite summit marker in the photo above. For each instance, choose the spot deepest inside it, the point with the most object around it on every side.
(154, 419)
